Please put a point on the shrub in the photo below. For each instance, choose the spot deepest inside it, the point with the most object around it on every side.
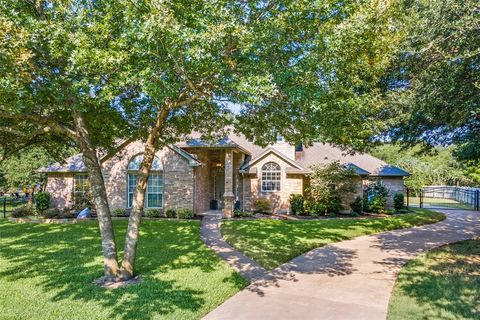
(334, 204)
(42, 201)
(23, 211)
(376, 197)
(390, 211)
(296, 204)
(185, 214)
(328, 183)
(170, 213)
(68, 213)
(377, 204)
(398, 201)
(262, 205)
(357, 205)
(314, 208)
(241, 213)
(83, 201)
(52, 213)
(152, 213)
(119, 212)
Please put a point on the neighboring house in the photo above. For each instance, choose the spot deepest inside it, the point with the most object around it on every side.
(201, 175)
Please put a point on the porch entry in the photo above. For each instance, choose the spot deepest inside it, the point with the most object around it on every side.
(218, 189)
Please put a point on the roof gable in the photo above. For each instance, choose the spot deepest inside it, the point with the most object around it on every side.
(268, 151)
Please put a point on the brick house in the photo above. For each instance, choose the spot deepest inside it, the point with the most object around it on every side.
(202, 176)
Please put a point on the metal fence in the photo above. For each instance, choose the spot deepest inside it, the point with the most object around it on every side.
(8, 204)
(450, 197)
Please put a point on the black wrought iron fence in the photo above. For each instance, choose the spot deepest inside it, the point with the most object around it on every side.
(8, 204)
(447, 197)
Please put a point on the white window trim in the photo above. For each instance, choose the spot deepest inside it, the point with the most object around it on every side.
(279, 181)
(75, 192)
(129, 205)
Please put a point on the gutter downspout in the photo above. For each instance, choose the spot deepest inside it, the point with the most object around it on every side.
(243, 191)
(194, 190)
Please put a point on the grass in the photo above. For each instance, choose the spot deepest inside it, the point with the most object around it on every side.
(274, 242)
(46, 272)
(440, 203)
(441, 284)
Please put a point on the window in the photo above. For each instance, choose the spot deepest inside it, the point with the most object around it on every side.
(271, 175)
(80, 187)
(154, 196)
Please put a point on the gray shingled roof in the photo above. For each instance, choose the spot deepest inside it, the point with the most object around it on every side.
(72, 164)
(318, 153)
(325, 153)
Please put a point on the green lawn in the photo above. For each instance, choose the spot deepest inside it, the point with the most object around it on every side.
(274, 242)
(46, 273)
(441, 284)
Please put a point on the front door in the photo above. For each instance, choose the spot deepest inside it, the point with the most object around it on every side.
(218, 188)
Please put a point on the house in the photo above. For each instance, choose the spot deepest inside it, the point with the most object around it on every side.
(201, 175)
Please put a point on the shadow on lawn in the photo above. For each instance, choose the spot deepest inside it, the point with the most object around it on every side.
(447, 280)
(66, 258)
(273, 242)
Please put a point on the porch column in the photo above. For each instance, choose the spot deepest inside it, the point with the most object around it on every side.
(228, 196)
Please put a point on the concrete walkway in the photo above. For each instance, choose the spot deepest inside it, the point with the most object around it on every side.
(347, 280)
(210, 234)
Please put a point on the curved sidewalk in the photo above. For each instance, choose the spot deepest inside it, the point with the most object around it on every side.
(351, 279)
(210, 234)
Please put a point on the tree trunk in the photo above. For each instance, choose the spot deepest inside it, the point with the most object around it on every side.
(90, 159)
(131, 238)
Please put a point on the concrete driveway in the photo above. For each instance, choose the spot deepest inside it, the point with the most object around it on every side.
(351, 279)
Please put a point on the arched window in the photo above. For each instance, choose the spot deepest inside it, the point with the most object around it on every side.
(271, 175)
(155, 182)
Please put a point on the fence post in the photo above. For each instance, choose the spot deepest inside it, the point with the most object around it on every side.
(421, 198)
(5, 207)
(408, 198)
(477, 200)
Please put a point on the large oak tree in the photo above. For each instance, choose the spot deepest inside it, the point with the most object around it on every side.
(156, 70)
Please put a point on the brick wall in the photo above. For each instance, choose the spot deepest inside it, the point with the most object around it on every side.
(60, 186)
(178, 189)
(393, 184)
(289, 184)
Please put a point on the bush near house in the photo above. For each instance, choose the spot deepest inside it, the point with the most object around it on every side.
(314, 208)
(152, 213)
(185, 214)
(375, 198)
(328, 184)
(119, 212)
(398, 201)
(42, 201)
(241, 213)
(357, 205)
(296, 204)
(52, 213)
(262, 205)
(23, 211)
(170, 213)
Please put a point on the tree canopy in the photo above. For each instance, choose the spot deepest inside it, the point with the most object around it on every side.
(435, 80)
(436, 167)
